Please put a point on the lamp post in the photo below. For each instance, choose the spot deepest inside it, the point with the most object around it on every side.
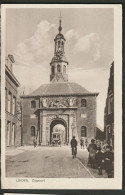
(72, 127)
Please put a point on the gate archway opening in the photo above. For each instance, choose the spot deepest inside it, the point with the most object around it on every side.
(60, 126)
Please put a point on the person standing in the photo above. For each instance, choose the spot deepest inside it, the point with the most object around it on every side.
(92, 148)
(86, 143)
(108, 159)
(106, 143)
(35, 142)
(81, 143)
(99, 158)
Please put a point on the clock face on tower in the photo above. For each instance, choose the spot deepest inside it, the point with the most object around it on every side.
(59, 55)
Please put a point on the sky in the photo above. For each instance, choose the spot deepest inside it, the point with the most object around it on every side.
(89, 48)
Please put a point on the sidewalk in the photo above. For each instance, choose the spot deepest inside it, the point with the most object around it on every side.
(83, 157)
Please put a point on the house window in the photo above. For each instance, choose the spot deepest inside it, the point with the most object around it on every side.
(108, 132)
(58, 68)
(6, 98)
(9, 102)
(110, 104)
(83, 103)
(8, 132)
(33, 131)
(113, 128)
(83, 131)
(13, 134)
(14, 106)
(33, 104)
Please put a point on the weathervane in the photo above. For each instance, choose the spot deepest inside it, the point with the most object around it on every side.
(60, 28)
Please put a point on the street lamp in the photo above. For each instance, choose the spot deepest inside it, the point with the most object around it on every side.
(72, 127)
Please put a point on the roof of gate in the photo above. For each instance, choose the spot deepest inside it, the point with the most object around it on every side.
(64, 88)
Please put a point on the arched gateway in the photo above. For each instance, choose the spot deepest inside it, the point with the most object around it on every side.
(55, 122)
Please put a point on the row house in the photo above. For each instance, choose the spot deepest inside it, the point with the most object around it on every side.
(109, 109)
(11, 85)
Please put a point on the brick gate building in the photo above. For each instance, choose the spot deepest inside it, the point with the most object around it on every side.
(58, 102)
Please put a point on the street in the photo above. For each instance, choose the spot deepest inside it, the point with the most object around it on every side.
(48, 162)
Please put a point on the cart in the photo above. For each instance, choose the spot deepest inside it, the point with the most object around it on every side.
(56, 139)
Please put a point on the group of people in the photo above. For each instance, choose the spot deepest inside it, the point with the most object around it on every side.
(100, 157)
(83, 144)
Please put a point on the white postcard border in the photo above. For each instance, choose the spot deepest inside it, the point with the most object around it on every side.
(72, 183)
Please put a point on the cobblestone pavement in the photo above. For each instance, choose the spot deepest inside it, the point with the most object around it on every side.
(48, 162)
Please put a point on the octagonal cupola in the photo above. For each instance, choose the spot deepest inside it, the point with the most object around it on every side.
(59, 63)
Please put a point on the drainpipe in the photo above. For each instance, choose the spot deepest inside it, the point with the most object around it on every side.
(21, 124)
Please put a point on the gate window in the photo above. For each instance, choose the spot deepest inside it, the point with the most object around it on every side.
(33, 104)
(83, 103)
(64, 69)
(58, 68)
(83, 131)
(33, 131)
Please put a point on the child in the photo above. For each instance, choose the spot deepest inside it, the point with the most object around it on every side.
(86, 143)
(99, 160)
(35, 142)
(83, 143)
(108, 157)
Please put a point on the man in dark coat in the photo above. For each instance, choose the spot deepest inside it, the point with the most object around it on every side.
(74, 144)
(99, 158)
(92, 148)
(109, 158)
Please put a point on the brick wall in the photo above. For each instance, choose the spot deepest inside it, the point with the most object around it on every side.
(89, 121)
(29, 119)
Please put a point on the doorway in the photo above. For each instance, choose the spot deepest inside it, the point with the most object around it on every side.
(59, 126)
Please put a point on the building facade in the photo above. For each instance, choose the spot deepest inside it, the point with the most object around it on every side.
(11, 85)
(109, 109)
(58, 102)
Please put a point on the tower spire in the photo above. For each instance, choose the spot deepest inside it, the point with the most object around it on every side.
(60, 27)
(59, 62)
